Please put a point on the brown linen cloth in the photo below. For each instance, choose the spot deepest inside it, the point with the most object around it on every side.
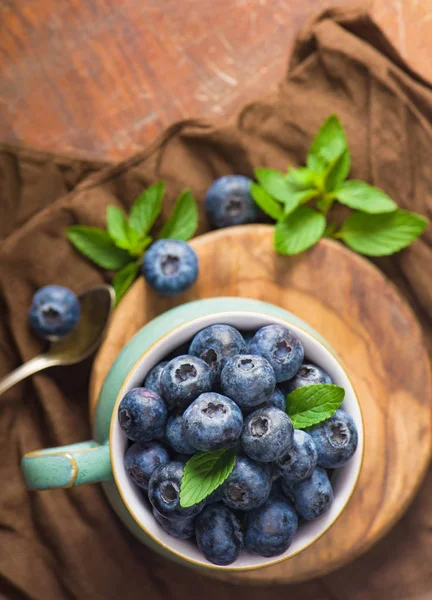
(69, 544)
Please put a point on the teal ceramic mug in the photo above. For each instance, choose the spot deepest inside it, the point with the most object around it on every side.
(101, 460)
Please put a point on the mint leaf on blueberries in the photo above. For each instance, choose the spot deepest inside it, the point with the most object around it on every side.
(274, 183)
(299, 231)
(311, 404)
(338, 171)
(362, 196)
(98, 246)
(146, 208)
(124, 278)
(183, 221)
(381, 235)
(266, 203)
(203, 473)
(328, 144)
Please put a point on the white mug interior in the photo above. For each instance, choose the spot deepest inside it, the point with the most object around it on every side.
(343, 479)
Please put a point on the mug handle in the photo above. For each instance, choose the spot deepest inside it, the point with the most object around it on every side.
(67, 466)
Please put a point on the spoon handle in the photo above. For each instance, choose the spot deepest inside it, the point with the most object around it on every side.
(34, 365)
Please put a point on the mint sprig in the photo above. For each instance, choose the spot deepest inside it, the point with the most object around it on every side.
(121, 247)
(204, 473)
(312, 404)
(377, 229)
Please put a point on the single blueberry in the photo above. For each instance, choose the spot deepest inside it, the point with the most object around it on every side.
(152, 381)
(212, 422)
(308, 374)
(142, 459)
(176, 435)
(335, 439)
(178, 527)
(170, 266)
(313, 496)
(267, 434)
(54, 312)
(249, 380)
(164, 491)
(270, 529)
(281, 348)
(218, 534)
(248, 485)
(142, 415)
(229, 202)
(300, 460)
(216, 344)
(183, 379)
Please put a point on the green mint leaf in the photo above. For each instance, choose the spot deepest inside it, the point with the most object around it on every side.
(328, 144)
(120, 231)
(266, 203)
(97, 245)
(141, 245)
(303, 177)
(298, 198)
(312, 404)
(274, 183)
(338, 172)
(183, 221)
(203, 473)
(381, 235)
(319, 166)
(146, 208)
(124, 278)
(299, 231)
(364, 197)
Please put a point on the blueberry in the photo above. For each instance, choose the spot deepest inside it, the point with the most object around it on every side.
(152, 381)
(277, 399)
(178, 527)
(308, 374)
(142, 459)
(218, 534)
(335, 439)
(142, 415)
(54, 312)
(164, 492)
(229, 202)
(183, 379)
(212, 421)
(248, 486)
(300, 460)
(216, 344)
(249, 380)
(313, 496)
(270, 529)
(267, 434)
(281, 348)
(170, 267)
(176, 435)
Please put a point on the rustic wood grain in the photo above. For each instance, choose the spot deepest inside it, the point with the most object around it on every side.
(103, 77)
(375, 333)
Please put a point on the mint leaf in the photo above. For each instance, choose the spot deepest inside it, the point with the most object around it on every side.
(146, 208)
(203, 473)
(303, 177)
(183, 221)
(328, 144)
(266, 203)
(97, 245)
(299, 231)
(381, 235)
(124, 279)
(311, 404)
(120, 231)
(274, 183)
(362, 196)
(338, 172)
(299, 197)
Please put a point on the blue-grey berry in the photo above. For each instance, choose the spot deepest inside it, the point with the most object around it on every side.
(142, 415)
(308, 374)
(170, 266)
(178, 527)
(249, 380)
(335, 439)
(218, 534)
(216, 344)
(54, 312)
(176, 435)
(164, 491)
(248, 485)
(183, 379)
(152, 381)
(300, 460)
(267, 434)
(283, 350)
(142, 459)
(313, 496)
(229, 202)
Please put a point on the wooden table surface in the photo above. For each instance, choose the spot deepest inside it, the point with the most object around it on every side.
(103, 77)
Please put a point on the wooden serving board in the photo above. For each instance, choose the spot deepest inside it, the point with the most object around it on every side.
(360, 313)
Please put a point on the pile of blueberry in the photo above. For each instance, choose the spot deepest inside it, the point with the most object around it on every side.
(229, 391)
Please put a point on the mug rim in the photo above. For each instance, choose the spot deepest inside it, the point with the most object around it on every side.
(113, 420)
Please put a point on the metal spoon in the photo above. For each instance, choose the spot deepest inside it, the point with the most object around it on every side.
(96, 306)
